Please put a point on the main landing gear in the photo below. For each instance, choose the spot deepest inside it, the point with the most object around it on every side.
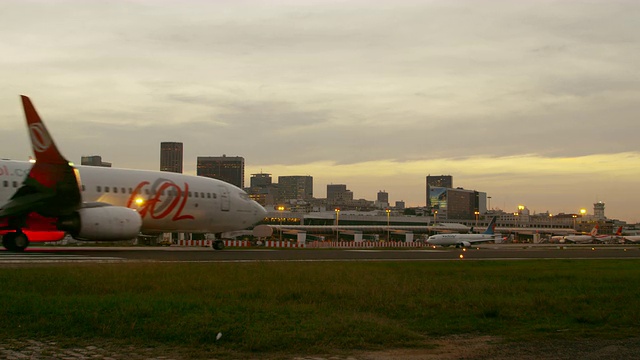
(15, 241)
(217, 245)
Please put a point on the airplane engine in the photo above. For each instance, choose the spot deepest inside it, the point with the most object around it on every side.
(105, 223)
(463, 244)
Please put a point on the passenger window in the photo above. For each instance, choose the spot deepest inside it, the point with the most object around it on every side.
(146, 191)
(115, 190)
(196, 194)
(123, 190)
(6, 183)
(83, 188)
(189, 193)
(99, 188)
(106, 189)
(130, 190)
(215, 195)
(208, 195)
(202, 195)
(15, 184)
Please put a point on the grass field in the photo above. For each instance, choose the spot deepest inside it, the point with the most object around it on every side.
(319, 307)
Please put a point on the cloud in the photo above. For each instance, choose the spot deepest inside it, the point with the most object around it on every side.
(361, 88)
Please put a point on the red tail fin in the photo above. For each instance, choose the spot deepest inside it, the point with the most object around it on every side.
(42, 143)
(51, 178)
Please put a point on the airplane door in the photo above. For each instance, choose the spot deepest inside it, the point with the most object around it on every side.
(225, 202)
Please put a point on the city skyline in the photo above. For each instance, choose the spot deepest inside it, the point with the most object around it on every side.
(533, 102)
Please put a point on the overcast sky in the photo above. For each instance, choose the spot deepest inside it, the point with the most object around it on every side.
(534, 102)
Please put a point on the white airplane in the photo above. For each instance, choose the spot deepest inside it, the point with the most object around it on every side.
(592, 237)
(45, 200)
(634, 239)
(630, 239)
(610, 238)
(464, 240)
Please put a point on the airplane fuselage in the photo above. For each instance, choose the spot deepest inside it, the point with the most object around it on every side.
(455, 239)
(166, 202)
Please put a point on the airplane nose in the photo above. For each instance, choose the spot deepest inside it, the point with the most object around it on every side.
(259, 212)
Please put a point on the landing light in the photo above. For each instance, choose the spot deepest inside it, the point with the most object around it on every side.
(461, 256)
(139, 201)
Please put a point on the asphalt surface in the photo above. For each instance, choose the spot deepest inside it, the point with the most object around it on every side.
(201, 254)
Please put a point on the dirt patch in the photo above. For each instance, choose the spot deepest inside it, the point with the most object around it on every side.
(455, 347)
(487, 347)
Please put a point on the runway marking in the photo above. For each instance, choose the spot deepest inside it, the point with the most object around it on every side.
(33, 258)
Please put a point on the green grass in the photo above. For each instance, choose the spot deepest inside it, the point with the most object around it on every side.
(319, 307)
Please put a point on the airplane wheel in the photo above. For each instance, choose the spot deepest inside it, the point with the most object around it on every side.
(218, 245)
(16, 241)
(21, 241)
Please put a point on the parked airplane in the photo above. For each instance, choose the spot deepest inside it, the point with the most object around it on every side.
(583, 239)
(610, 238)
(45, 200)
(634, 239)
(630, 239)
(464, 240)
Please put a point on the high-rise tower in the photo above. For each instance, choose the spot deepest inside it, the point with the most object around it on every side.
(171, 157)
(225, 168)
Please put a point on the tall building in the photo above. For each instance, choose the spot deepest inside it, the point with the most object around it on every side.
(225, 168)
(338, 194)
(171, 157)
(295, 188)
(459, 204)
(383, 196)
(262, 189)
(383, 199)
(260, 180)
(440, 181)
(445, 181)
(598, 211)
(94, 160)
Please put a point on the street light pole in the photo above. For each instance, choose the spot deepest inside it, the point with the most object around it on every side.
(477, 213)
(388, 230)
(337, 223)
(280, 209)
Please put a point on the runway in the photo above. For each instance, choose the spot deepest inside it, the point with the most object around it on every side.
(55, 254)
